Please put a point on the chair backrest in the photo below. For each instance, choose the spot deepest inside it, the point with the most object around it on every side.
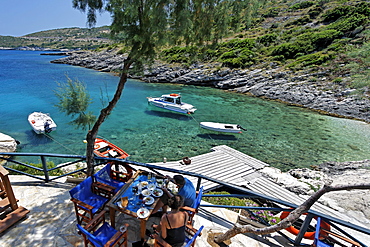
(104, 173)
(190, 242)
(198, 199)
(82, 190)
(317, 241)
(96, 242)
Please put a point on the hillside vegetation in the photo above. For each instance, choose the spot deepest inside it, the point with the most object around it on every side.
(299, 35)
(64, 38)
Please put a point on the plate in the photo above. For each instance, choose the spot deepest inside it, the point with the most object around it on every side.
(144, 183)
(157, 192)
(142, 213)
(151, 186)
(148, 200)
(146, 192)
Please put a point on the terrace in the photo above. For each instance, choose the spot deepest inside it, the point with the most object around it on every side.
(52, 221)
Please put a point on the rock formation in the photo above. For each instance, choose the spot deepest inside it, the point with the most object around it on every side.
(7, 144)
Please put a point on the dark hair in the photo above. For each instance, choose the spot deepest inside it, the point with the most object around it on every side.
(179, 179)
(176, 202)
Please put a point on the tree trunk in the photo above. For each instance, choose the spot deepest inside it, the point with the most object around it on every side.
(290, 219)
(91, 134)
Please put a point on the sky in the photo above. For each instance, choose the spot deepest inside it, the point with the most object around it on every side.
(21, 17)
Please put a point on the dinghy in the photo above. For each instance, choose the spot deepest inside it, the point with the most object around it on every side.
(104, 148)
(172, 102)
(41, 123)
(222, 127)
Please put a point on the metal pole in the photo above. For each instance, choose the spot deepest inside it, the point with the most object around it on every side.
(303, 229)
(45, 168)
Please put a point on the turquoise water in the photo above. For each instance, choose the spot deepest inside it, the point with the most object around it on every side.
(281, 135)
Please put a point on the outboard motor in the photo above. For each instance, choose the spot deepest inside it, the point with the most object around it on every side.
(47, 127)
(240, 127)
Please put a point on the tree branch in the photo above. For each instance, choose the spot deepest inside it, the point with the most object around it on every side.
(291, 218)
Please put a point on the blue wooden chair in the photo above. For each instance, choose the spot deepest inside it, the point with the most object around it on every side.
(192, 211)
(86, 202)
(317, 242)
(114, 174)
(103, 176)
(191, 241)
(192, 234)
(99, 233)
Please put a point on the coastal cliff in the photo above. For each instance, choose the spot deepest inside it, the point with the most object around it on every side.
(310, 89)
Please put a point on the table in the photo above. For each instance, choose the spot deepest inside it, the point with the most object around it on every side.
(135, 202)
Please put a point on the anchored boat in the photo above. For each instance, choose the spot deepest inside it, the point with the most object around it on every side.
(104, 148)
(172, 102)
(41, 122)
(222, 127)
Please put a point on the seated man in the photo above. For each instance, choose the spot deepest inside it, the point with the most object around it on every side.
(186, 190)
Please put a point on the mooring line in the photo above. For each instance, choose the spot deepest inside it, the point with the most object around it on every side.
(59, 143)
(207, 133)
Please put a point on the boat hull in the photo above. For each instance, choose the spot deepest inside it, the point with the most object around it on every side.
(181, 108)
(221, 127)
(41, 123)
(103, 148)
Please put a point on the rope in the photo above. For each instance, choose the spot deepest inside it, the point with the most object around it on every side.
(210, 137)
(60, 143)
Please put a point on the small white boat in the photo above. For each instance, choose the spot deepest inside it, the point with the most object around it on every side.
(172, 102)
(222, 127)
(41, 122)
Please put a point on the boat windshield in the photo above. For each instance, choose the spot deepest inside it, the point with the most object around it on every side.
(178, 101)
(167, 99)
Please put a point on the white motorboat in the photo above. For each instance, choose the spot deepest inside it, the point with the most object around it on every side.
(222, 127)
(41, 122)
(172, 102)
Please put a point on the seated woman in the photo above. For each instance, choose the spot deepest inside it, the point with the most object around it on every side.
(172, 225)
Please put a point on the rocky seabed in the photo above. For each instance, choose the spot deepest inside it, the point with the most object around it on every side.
(311, 90)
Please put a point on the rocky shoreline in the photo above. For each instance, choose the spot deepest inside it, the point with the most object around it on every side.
(304, 182)
(310, 89)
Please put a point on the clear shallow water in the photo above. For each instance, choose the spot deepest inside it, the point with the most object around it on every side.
(281, 135)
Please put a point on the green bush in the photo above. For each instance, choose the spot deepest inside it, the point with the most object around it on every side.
(317, 58)
(239, 43)
(271, 12)
(302, 5)
(179, 54)
(300, 21)
(337, 12)
(350, 23)
(320, 39)
(267, 39)
(238, 58)
(49, 165)
(362, 8)
(314, 12)
(289, 50)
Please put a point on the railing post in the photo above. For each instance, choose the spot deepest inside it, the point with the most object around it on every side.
(198, 184)
(304, 227)
(45, 168)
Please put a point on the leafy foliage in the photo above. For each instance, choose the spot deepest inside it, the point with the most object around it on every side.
(49, 165)
(74, 100)
(302, 5)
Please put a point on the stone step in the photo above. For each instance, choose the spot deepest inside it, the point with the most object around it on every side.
(12, 218)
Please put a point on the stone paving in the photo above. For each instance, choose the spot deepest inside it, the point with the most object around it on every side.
(52, 221)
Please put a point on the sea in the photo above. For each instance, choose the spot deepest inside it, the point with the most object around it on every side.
(283, 136)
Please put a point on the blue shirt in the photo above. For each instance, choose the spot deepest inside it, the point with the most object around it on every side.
(188, 193)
